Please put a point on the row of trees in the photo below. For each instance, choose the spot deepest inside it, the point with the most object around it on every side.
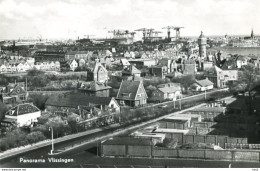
(17, 137)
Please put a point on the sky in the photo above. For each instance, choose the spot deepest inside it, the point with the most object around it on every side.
(55, 19)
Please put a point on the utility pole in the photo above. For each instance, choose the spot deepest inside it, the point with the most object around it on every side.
(180, 102)
(97, 149)
(52, 144)
(205, 94)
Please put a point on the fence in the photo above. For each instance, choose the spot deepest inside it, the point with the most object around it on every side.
(242, 146)
(162, 152)
(204, 124)
(211, 139)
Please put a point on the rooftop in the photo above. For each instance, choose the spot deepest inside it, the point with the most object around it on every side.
(22, 109)
(75, 100)
(128, 141)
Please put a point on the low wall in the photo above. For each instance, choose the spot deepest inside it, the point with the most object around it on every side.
(114, 150)
(162, 152)
(139, 151)
(246, 156)
(218, 155)
(192, 154)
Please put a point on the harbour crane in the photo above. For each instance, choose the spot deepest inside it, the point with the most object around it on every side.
(144, 30)
(177, 29)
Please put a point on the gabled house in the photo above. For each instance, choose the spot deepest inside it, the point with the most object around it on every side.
(171, 91)
(241, 61)
(18, 91)
(22, 115)
(131, 93)
(220, 77)
(95, 89)
(73, 64)
(202, 85)
(3, 68)
(98, 73)
(131, 71)
(125, 62)
(127, 54)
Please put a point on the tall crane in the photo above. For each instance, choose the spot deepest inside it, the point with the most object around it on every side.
(177, 29)
(121, 33)
(156, 33)
(144, 30)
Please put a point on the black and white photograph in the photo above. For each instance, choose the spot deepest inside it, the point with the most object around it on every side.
(98, 84)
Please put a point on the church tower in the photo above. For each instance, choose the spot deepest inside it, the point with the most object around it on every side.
(252, 34)
(202, 41)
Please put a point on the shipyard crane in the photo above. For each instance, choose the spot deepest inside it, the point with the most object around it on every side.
(150, 32)
(177, 29)
(156, 33)
(144, 30)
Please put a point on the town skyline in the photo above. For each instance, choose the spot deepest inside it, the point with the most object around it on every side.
(72, 19)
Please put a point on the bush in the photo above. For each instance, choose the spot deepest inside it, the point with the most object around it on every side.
(34, 137)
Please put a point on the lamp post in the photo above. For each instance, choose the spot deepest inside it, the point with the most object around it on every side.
(205, 94)
(180, 101)
(52, 144)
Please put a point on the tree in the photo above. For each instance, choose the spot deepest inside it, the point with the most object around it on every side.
(248, 78)
(34, 137)
(34, 72)
(186, 81)
(3, 110)
(37, 78)
(39, 101)
(58, 125)
(4, 80)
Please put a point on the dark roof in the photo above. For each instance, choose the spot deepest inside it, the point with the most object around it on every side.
(128, 141)
(128, 89)
(75, 100)
(22, 109)
(174, 120)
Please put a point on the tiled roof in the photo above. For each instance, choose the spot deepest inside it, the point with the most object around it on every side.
(75, 100)
(128, 89)
(169, 89)
(22, 109)
(204, 82)
(94, 86)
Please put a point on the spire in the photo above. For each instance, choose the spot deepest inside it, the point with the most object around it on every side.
(252, 33)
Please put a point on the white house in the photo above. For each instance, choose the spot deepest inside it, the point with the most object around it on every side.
(20, 67)
(3, 68)
(73, 65)
(202, 85)
(23, 114)
(171, 91)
